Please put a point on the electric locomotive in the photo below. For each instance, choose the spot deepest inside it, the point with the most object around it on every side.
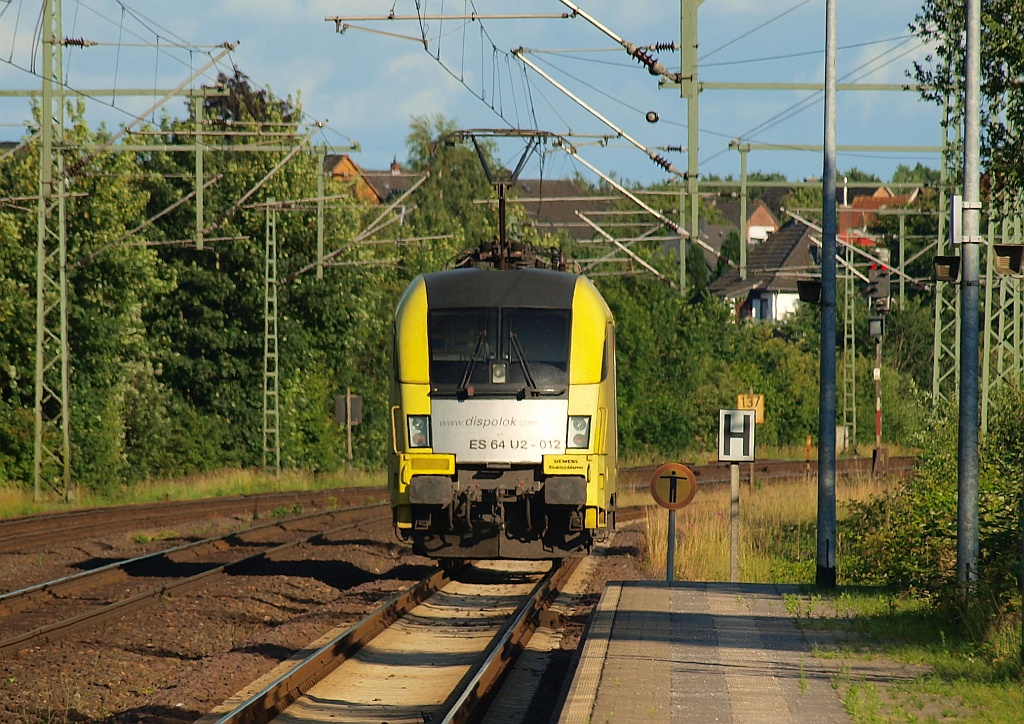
(503, 412)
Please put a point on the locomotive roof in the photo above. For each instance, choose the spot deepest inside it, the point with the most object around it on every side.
(537, 288)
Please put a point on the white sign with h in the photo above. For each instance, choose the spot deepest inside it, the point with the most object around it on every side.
(736, 436)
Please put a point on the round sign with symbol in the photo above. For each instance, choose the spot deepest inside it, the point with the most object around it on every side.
(673, 486)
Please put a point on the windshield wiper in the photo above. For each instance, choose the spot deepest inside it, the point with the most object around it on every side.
(531, 384)
(463, 387)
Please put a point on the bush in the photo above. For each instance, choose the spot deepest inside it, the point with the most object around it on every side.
(907, 539)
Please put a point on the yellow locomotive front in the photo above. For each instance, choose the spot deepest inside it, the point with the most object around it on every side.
(503, 417)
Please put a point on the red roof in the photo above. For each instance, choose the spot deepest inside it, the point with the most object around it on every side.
(861, 213)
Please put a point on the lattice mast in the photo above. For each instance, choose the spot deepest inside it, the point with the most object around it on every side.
(52, 455)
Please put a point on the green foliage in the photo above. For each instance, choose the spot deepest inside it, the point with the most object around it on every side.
(456, 180)
(731, 251)
(908, 342)
(16, 443)
(680, 362)
(855, 175)
(309, 437)
(167, 339)
(940, 25)
(920, 174)
(907, 538)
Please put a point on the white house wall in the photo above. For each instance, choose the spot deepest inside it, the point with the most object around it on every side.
(785, 304)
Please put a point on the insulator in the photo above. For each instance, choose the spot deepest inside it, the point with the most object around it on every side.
(665, 46)
(661, 161)
(79, 42)
(644, 57)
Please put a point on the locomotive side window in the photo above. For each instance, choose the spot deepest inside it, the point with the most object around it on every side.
(608, 358)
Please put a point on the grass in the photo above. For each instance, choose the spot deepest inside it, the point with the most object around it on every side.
(16, 501)
(777, 530)
(959, 677)
(787, 452)
(957, 674)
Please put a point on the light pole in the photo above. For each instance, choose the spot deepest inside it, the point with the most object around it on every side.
(826, 539)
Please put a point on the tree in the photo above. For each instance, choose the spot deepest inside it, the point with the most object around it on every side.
(731, 251)
(920, 174)
(941, 25)
(457, 180)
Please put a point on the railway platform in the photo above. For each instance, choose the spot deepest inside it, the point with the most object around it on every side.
(698, 652)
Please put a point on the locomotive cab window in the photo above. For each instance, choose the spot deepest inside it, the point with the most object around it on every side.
(502, 351)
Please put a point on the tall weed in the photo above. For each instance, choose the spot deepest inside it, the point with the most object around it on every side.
(907, 538)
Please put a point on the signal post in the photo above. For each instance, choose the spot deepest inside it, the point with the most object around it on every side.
(735, 445)
(878, 291)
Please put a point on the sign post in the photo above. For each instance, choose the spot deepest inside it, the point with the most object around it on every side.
(673, 486)
(348, 411)
(735, 445)
(755, 403)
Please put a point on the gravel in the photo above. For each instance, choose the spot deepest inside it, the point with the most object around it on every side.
(185, 653)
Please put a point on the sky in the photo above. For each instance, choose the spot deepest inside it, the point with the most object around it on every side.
(366, 83)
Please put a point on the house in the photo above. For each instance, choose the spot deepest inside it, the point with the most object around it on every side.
(715, 236)
(761, 222)
(856, 214)
(375, 187)
(391, 183)
(551, 206)
(769, 292)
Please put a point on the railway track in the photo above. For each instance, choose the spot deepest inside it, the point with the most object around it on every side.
(51, 610)
(27, 532)
(433, 653)
(764, 470)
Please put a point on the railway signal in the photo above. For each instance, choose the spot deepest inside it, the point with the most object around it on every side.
(878, 292)
(878, 288)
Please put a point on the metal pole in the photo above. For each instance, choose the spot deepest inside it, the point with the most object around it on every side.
(682, 243)
(734, 523)
(878, 397)
(200, 171)
(271, 357)
(967, 468)
(849, 355)
(321, 154)
(903, 259)
(670, 558)
(744, 233)
(52, 355)
(348, 421)
(690, 88)
(826, 548)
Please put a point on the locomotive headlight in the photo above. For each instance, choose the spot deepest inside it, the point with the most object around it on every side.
(579, 432)
(419, 430)
(499, 373)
